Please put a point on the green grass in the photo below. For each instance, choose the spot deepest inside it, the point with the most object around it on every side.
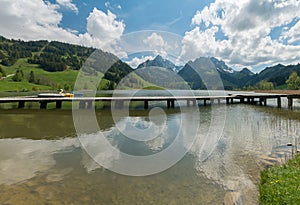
(281, 183)
(57, 78)
(54, 80)
(20, 86)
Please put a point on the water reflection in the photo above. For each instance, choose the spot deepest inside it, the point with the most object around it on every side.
(46, 164)
(21, 159)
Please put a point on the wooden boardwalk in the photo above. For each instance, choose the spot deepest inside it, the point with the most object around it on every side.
(87, 102)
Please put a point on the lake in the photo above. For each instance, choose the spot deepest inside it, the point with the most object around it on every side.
(43, 160)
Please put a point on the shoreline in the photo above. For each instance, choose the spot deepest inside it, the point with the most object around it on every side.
(288, 92)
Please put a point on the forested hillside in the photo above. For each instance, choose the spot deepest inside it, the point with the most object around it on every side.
(40, 65)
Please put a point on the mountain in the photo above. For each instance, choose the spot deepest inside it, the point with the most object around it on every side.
(232, 79)
(221, 66)
(210, 68)
(51, 65)
(159, 61)
(204, 71)
(193, 72)
(162, 77)
(277, 74)
(246, 72)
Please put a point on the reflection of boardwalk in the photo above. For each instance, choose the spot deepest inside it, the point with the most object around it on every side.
(87, 102)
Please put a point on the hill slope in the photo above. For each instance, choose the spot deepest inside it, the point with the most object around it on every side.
(41, 65)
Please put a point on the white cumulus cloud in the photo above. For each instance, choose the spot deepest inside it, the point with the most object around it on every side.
(103, 26)
(135, 62)
(68, 4)
(246, 27)
(157, 43)
(37, 19)
(293, 34)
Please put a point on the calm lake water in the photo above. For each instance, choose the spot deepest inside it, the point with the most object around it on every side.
(43, 162)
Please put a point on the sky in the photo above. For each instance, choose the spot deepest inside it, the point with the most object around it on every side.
(244, 33)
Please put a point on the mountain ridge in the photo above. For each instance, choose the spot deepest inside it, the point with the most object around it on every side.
(233, 79)
(59, 57)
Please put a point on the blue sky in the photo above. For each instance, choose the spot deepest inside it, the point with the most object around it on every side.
(144, 15)
(244, 33)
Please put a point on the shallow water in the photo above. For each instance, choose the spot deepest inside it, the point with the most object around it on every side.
(42, 160)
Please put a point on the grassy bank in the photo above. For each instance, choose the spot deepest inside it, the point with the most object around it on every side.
(281, 183)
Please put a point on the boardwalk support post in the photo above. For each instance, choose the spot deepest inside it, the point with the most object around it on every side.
(43, 105)
(194, 103)
(119, 104)
(290, 103)
(82, 104)
(261, 101)
(21, 104)
(227, 100)
(168, 103)
(265, 101)
(58, 104)
(279, 102)
(146, 104)
(172, 103)
(89, 104)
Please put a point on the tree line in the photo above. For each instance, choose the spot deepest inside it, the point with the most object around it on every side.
(293, 83)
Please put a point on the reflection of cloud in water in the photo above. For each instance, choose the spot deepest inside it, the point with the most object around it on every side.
(139, 129)
(99, 149)
(115, 150)
(21, 159)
